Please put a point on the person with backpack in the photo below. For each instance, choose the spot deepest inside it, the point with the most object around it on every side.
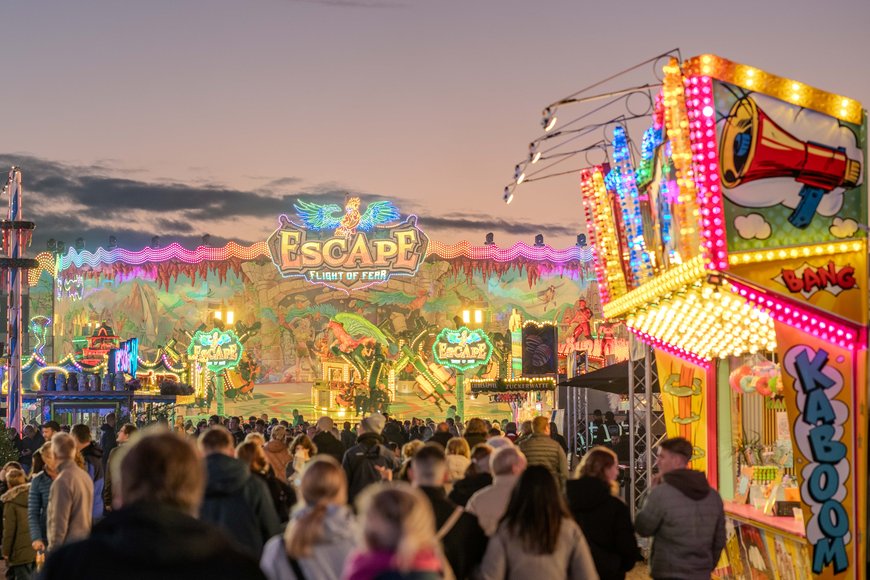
(462, 539)
(369, 460)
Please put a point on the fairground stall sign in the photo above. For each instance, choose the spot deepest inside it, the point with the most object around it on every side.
(462, 349)
(345, 248)
(218, 350)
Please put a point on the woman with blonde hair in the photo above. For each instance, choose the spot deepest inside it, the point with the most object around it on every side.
(322, 531)
(603, 517)
(458, 460)
(409, 450)
(399, 539)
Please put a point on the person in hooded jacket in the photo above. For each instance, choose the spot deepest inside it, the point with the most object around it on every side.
(366, 462)
(45, 469)
(154, 533)
(322, 532)
(17, 551)
(603, 517)
(235, 500)
(477, 476)
(684, 515)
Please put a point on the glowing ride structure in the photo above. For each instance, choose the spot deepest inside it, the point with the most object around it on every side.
(734, 251)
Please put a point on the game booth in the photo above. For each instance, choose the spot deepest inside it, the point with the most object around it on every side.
(351, 307)
(736, 251)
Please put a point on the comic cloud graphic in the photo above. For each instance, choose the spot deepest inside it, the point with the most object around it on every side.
(843, 228)
(752, 226)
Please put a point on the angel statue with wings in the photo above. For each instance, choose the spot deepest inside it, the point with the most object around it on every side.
(329, 216)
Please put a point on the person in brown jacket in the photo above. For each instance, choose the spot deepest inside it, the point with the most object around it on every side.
(277, 453)
(71, 499)
(17, 551)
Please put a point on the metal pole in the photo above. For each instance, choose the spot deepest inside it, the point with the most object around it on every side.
(648, 360)
(219, 393)
(460, 395)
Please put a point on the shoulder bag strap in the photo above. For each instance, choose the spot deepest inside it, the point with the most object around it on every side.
(297, 569)
(448, 525)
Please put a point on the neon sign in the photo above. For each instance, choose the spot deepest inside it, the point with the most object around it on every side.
(218, 350)
(462, 349)
(125, 358)
(347, 249)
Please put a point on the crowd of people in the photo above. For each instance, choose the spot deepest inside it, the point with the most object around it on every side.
(385, 499)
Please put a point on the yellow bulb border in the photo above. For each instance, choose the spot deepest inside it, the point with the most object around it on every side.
(674, 279)
(788, 90)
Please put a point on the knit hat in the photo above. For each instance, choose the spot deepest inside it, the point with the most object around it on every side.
(375, 422)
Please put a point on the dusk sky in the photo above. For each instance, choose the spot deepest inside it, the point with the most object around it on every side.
(183, 117)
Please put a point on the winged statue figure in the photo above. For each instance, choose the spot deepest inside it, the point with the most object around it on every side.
(321, 217)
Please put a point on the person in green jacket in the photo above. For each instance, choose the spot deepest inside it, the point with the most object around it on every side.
(17, 552)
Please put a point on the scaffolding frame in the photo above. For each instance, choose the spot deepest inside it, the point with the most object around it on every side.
(645, 411)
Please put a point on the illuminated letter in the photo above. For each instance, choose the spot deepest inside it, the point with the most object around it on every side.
(385, 250)
(312, 255)
(359, 254)
(407, 243)
(334, 252)
(290, 249)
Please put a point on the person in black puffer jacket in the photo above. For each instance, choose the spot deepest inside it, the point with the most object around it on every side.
(235, 501)
(604, 518)
(366, 462)
(283, 496)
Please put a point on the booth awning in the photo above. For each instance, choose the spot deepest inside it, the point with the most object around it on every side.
(610, 379)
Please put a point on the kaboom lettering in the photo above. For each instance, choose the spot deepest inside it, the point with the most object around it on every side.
(817, 432)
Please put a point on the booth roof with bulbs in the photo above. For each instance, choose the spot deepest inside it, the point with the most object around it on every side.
(736, 248)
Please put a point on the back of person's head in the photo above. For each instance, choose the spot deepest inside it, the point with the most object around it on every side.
(458, 446)
(526, 427)
(323, 483)
(476, 425)
(347, 425)
(325, 424)
(252, 455)
(680, 447)
(15, 477)
(81, 433)
(256, 438)
(510, 427)
(411, 448)
(429, 466)
(540, 424)
(443, 427)
(608, 416)
(398, 519)
(596, 462)
(493, 433)
(128, 429)
(162, 467)
(481, 455)
(535, 511)
(216, 439)
(507, 460)
(63, 446)
(37, 462)
(278, 433)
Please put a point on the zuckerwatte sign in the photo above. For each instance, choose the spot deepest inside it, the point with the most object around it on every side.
(345, 248)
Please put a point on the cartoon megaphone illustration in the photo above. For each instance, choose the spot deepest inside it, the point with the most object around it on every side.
(754, 147)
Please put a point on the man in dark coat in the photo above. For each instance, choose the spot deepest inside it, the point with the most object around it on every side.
(442, 435)
(606, 523)
(108, 438)
(348, 437)
(155, 534)
(327, 440)
(368, 461)
(684, 515)
(235, 500)
(463, 540)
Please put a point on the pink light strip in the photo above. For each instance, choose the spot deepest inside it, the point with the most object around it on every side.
(674, 350)
(809, 320)
(705, 154)
(175, 252)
